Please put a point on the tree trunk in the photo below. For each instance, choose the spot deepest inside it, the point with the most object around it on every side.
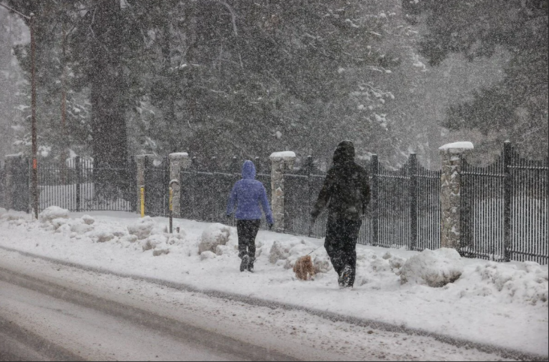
(107, 92)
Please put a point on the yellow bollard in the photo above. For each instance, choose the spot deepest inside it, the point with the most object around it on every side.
(142, 202)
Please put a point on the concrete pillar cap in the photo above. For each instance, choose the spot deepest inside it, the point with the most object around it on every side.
(178, 156)
(457, 147)
(283, 156)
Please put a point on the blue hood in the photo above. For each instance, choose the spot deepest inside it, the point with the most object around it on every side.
(248, 170)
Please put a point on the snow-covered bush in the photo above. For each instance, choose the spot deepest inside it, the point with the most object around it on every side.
(433, 268)
(522, 282)
(216, 234)
(2, 212)
(80, 229)
(88, 220)
(101, 236)
(143, 228)
(161, 249)
(153, 241)
(52, 213)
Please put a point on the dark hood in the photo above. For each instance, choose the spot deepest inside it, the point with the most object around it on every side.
(344, 153)
(248, 170)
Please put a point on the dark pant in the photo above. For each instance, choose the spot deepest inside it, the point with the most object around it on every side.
(341, 239)
(247, 231)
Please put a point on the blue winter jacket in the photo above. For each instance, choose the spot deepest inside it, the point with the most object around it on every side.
(247, 194)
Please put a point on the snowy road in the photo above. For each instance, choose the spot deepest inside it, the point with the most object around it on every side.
(49, 311)
(61, 323)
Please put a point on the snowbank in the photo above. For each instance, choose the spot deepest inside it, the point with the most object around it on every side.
(433, 268)
(52, 213)
(214, 236)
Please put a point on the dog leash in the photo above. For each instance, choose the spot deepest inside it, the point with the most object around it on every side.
(314, 250)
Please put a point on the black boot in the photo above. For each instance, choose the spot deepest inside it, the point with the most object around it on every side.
(251, 266)
(346, 276)
(245, 263)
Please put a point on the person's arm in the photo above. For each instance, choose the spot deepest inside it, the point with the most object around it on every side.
(324, 196)
(266, 207)
(232, 200)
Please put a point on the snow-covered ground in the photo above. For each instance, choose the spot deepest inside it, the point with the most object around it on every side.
(502, 305)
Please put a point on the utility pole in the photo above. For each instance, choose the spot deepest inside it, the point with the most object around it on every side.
(34, 138)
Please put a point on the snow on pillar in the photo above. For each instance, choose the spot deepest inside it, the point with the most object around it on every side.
(178, 162)
(140, 161)
(450, 193)
(281, 163)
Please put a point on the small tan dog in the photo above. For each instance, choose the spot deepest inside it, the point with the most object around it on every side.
(304, 268)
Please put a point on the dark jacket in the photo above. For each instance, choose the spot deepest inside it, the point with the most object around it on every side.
(346, 189)
(247, 194)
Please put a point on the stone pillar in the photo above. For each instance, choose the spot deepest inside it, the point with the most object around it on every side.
(281, 163)
(450, 193)
(178, 163)
(140, 161)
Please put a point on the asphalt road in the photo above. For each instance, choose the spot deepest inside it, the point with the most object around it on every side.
(42, 320)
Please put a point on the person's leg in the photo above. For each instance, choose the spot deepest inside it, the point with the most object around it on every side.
(350, 237)
(333, 244)
(254, 229)
(243, 240)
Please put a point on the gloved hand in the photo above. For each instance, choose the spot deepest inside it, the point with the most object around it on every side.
(229, 216)
(271, 226)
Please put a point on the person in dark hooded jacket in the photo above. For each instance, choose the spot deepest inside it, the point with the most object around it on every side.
(346, 193)
(247, 194)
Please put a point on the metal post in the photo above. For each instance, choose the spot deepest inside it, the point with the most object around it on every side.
(257, 162)
(171, 210)
(309, 167)
(144, 188)
(375, 199)
(78, 167)
(34, 138)
(507, 149)
(413, 199)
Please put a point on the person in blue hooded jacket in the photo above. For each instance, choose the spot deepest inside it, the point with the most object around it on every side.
(247, 194)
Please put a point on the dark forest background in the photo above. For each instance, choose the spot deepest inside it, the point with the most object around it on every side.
(224, 78)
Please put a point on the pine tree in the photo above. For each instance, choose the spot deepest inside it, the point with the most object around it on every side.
(515, 108)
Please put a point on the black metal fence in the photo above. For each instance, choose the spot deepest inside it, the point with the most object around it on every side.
(205, 193)
(80, 186)
(76, 185)
(504, 210)
(404, 208)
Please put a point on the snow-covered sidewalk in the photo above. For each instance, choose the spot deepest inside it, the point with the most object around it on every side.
(504, 305)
